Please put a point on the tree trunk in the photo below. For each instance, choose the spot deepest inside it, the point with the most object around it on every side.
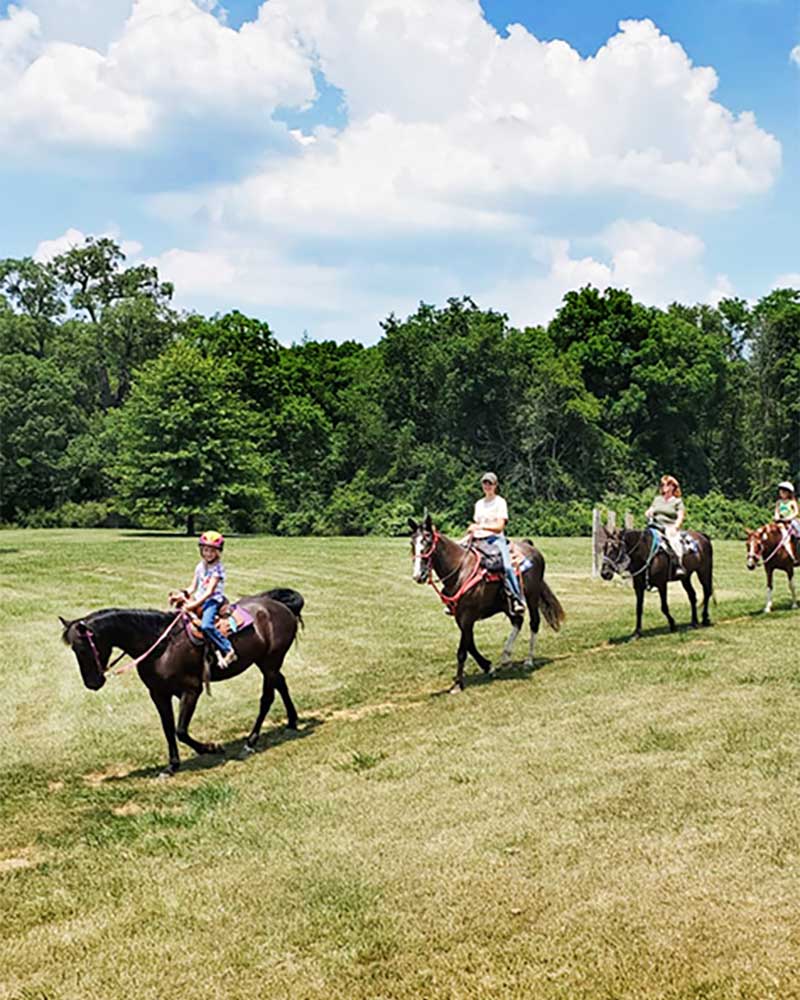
(190, 524)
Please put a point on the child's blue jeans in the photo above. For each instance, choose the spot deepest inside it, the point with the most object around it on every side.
(210, 609)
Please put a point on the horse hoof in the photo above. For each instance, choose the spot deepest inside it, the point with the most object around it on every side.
(292, 725)
(215, 748)
(528, 664)
(455, 689)
(487, 667)
(168, 772)
(247, 751)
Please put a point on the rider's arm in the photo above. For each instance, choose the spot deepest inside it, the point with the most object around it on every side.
(795, 510)
(201, 596)
(681, 515)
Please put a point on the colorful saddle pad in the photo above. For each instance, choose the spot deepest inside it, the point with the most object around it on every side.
(231, 620)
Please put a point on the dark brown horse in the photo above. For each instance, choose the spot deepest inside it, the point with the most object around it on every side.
(768, 544)
(640, 554)
(174, 667)
(455, 566)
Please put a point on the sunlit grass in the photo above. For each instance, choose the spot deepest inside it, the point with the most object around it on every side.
(622, 821)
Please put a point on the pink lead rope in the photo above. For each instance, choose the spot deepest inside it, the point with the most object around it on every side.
(138, 660)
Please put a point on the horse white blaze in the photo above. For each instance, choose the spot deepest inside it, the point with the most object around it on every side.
(416, 573)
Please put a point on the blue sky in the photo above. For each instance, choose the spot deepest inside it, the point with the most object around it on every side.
(322, 163)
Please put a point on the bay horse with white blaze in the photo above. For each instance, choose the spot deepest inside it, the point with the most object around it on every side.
(472, 595)
(640, 554)
(171, 666)
(768, 544)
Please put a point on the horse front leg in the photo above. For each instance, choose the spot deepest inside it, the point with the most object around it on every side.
(686, 581)
(639, 588)
(662, 593)
(188, 703)
(163, 703)
(480, 659)
(768, 605)
(790, 578)
(461, 659)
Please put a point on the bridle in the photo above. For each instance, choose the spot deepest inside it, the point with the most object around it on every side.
(89, 635)
(756, 539)
(618, 566)
(427, 558)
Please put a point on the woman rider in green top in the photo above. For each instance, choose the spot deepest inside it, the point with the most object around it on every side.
(667, 513)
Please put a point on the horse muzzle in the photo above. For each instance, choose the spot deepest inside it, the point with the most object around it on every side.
(95, 682)
(752, 562)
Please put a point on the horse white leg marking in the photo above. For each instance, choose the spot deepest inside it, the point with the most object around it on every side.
(508, 649)
(768, 605)
(531, 650)
(794, 594)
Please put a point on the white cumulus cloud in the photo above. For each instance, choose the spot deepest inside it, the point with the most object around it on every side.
(171, 57)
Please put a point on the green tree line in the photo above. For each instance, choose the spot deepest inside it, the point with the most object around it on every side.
(117, 409)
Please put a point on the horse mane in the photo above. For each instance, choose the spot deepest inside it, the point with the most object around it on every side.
(141, 619)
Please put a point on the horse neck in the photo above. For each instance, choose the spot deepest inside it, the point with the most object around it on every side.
(637, 545)
(448, 557)
(126, 630)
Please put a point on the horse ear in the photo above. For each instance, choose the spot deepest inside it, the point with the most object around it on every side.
(412, 524)
(64, 622)
(428, 523)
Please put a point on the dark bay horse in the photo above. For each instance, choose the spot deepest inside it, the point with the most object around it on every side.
(638, 553)
(767, 544)
(454, 565)
(174, 669)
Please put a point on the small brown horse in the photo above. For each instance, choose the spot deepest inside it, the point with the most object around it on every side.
(767, 544)
(455, 566)
(640, 554)
(174, 667)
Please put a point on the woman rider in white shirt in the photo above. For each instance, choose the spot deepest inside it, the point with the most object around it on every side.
(488, 522)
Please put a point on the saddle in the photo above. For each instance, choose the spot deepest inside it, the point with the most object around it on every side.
(231, 619)
(492, 559)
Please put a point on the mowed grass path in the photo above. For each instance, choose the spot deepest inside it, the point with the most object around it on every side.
(623, 821)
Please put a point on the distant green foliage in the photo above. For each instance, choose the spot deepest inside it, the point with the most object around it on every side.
(111, 398)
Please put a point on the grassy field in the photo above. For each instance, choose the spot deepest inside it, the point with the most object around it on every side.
(622, 821)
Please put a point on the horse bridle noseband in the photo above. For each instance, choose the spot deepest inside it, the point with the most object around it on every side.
(427, 557)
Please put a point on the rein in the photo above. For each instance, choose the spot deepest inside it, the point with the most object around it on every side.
(654, 544)
(781, 544)
(475, 575)
(134, 663)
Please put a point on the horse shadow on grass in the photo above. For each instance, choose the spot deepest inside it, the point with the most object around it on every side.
(517, 670)
(231, 750)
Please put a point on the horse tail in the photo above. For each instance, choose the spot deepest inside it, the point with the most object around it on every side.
(551, 607)
(293, 600)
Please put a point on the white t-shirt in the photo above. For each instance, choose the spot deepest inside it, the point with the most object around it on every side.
(488, 512)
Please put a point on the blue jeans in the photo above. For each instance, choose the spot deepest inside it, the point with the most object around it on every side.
(512, 580)
(210, 609)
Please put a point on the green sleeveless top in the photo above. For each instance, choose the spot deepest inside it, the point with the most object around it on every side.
(784, 510)
(665, 512)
